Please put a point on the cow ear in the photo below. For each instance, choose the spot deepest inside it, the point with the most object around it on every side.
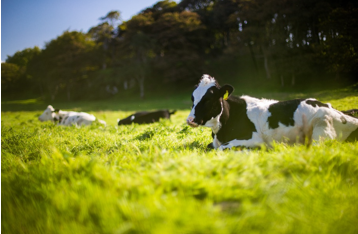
(225, 91)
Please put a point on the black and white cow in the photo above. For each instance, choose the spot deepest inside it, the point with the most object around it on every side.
(68, 118)
(250, 122)
(145, 117)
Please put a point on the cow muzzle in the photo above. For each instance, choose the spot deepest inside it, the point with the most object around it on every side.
(191, 123)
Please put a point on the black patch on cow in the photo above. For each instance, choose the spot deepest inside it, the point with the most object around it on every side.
(353, 136)
(282, 112)
(55, 119)
(352, 112)
(210, 146)
(316, 103)
(235, 124)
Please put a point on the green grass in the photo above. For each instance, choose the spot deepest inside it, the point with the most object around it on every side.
(159, 178)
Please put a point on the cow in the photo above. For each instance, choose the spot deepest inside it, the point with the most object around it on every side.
(351, 112)
(145, 117)
(249, 122)
(68, 118)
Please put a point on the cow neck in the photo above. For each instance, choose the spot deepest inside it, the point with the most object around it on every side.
(225, 113)
(222, 117)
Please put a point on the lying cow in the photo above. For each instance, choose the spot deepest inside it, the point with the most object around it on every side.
(250, 122)
(351, 112)
(68, 118)
(145, 117)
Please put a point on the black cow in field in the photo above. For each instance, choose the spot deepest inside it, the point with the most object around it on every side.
(145, 117)
(250, 122)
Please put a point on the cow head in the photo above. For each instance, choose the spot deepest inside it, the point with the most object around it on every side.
(48, 114)
(126, 121)
(207, 100)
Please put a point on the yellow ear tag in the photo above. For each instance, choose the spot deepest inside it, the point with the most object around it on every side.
(226, 95)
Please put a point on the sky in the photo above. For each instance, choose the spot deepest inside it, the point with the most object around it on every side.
(29, 23)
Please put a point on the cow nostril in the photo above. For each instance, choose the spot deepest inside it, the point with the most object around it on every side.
(190, 119)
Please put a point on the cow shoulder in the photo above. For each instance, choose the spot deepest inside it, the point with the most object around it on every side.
(235, 124)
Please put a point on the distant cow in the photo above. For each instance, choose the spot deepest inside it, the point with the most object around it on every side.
(68, 118)
(250, 122)
(145, 117)
(351, 112)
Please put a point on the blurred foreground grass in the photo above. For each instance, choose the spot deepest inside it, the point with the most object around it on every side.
(159, 178)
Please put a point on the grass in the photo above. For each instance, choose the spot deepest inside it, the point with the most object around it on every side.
(159, 178)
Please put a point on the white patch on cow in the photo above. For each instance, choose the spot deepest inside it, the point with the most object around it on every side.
(214, 123)
(206, 82)
(257, 111)
(314, 122)
(255, 141)
(327, 123)
(78, 118)
(216, 142)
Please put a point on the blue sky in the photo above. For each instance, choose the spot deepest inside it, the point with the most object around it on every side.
(29, 23)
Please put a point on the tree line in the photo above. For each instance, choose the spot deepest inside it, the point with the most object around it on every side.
(286, 43)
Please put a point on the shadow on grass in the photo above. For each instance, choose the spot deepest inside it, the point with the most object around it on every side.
(177, 101)
(135, 104)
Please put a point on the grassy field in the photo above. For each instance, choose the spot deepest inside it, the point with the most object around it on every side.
(159, 178)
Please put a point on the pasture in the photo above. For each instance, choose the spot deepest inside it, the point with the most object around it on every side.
(159, 178)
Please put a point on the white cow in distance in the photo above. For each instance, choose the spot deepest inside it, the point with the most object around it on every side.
(68, 118)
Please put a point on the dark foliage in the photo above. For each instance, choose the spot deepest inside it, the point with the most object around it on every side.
(289, 44)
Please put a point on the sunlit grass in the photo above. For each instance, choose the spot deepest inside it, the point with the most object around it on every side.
(25, 101)
(159, 178)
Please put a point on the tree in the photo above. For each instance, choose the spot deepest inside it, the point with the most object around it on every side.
(161, 8)
(112, 17)
(15, 70)
(65, 62)
(22, 58)
(105, 34)
(181, 43)
(339, 47)
(138, 48)
(10, 75)
(102, 35)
